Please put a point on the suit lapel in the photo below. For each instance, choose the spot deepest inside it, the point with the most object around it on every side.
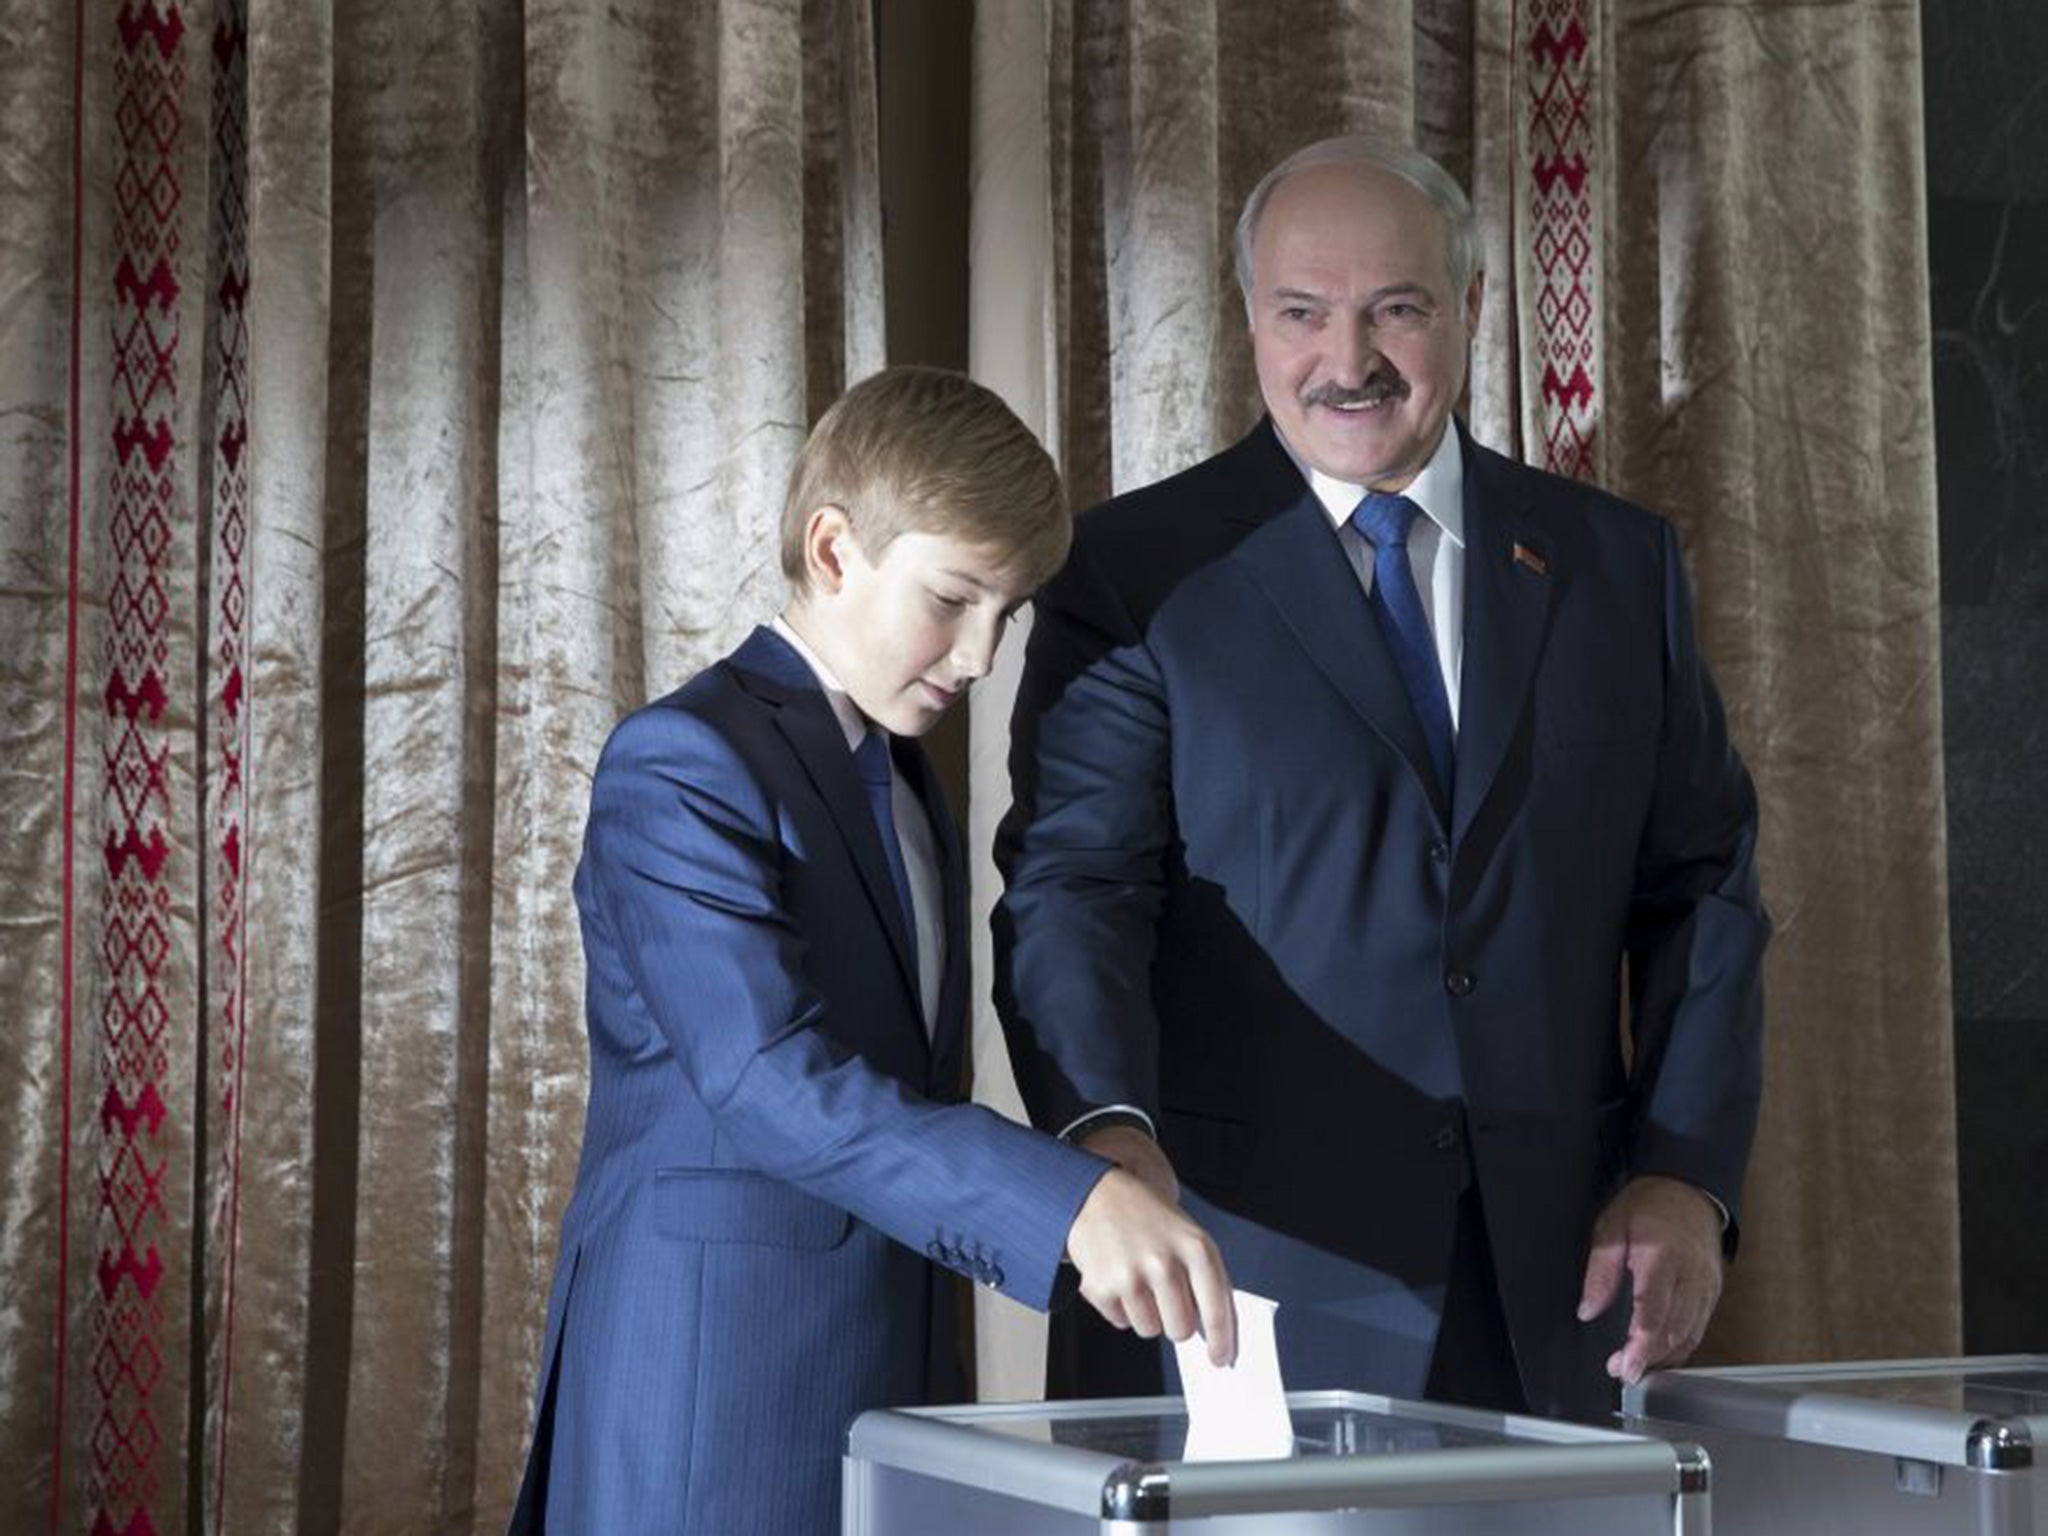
(1296, 559)
(1510, 580)
(806, 721)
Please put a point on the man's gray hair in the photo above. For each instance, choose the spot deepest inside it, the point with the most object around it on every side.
(1461, 233)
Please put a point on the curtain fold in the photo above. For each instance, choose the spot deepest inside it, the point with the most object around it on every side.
(37, 732)
(1703, 233)
(438, 371)
(1771, 392)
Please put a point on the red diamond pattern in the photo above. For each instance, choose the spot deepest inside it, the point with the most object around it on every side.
(1562, 190)
(132, 1059)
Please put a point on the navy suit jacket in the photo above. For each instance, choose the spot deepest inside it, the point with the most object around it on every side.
(773, 1149)
(1237, 898)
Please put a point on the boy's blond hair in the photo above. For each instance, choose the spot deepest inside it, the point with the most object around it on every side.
(927, 450)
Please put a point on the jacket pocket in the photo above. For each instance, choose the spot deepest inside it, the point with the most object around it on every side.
(735, 1205)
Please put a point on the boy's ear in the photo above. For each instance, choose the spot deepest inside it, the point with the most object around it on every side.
(829, 540)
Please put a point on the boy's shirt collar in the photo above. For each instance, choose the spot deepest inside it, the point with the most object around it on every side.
(851, 721)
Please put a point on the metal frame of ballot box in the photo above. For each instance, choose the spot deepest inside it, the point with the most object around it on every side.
(1864, 1447)
(1000, 1469)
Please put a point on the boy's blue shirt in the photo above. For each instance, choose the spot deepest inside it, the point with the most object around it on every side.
(774, 1147)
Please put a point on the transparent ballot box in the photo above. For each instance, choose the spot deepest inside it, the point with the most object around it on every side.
(1871, 1447)
(1362, 1466)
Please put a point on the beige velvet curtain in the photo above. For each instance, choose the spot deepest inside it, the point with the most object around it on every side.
(390, 398)
(1704, 238)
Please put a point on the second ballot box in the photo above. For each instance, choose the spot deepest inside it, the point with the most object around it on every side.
(1867, 1448)
(1362, 1466)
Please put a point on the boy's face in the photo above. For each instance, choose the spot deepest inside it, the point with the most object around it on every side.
(907, 633)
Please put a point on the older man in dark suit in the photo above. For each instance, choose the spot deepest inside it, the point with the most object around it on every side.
(1356, 770)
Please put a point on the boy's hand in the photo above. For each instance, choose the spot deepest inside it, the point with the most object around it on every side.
(1146, 1267)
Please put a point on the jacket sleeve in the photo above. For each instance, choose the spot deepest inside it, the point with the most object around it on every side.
(1696, 934)
(684, 871)
(1082, 853)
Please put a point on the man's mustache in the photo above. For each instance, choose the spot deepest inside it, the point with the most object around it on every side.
(1384, 384)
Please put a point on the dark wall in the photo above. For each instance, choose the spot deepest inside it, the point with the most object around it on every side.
(1987, 179)
(923, 60)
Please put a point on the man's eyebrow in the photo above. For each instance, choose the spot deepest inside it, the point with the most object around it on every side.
(1420, 290)
(1378, 295)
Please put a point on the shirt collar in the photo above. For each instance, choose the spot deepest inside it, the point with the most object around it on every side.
(851, 721)
(1439, 489)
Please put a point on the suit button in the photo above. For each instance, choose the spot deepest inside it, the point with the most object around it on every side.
(1439, 851)
(1460, 982)
(1446, 1139)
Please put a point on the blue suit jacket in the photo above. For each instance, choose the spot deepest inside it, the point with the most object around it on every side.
(1237, 898)
(773, 1150)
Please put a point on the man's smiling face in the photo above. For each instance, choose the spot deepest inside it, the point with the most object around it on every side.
(1359, 339)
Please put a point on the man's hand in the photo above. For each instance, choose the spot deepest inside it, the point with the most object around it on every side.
(1146, 1267)
(1133, 1151)
(1667, 1235)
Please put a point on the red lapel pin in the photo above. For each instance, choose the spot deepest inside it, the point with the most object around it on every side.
(1524, 555)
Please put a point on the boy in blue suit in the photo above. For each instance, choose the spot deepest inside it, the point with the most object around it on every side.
(776, 1159)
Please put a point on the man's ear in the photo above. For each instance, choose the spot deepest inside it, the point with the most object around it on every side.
(829, 541)
(1475, 293)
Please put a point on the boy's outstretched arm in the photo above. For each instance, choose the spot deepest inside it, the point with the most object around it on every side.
(682, 898)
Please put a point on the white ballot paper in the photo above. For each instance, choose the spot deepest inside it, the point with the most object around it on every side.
(1238, 1412)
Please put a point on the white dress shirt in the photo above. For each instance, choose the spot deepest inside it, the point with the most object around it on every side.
(913, 831)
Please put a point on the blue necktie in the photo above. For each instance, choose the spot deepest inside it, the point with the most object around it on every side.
(1385, 521)
(871, 758)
